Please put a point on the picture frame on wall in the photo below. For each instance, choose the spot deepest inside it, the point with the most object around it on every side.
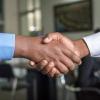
(75, 16)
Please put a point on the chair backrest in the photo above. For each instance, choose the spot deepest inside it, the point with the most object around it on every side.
(6, 71)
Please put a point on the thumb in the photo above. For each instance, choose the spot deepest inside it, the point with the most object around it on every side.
(50, 37)
(47, 39)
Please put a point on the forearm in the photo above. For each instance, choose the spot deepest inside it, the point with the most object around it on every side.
(26, 46)
(21, 46)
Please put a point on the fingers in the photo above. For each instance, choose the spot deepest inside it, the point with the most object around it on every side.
(38, 66)
(49, 68)
(32, 64)
(52, 36)
(68, 63)
(41, 65)
(54, 72)
(60, 52)
(70, 51)
(72, 56)
(62, 68)
(53, 68)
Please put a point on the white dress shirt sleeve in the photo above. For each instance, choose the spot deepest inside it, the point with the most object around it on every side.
(93, 43)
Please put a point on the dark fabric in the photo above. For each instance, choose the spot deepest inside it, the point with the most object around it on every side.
(86, 72)
(6, 71)
(41, 87)
(86, 95)
(87, 79)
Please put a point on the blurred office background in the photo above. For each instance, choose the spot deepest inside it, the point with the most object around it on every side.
(37, 17)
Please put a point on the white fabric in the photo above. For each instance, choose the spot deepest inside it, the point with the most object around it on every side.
(93, 43)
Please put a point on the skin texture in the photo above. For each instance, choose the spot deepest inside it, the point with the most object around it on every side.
(77, 47)
(60, 58)
(82, 47)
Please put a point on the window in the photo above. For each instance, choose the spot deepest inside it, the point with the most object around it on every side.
(29, 16)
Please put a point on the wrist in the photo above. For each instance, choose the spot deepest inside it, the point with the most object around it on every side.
(82, 47)
(21, 46)
(27, 47)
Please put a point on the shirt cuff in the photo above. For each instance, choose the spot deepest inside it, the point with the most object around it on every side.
(93, 43)
(7, 46)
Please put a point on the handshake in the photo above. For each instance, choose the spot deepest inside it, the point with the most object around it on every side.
(54, 54)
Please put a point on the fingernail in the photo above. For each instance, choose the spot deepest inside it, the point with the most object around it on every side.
(44, 62)
(47, 40)
(32, 63)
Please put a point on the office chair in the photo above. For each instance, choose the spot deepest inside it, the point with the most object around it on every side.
(71, 90)
(9, 79)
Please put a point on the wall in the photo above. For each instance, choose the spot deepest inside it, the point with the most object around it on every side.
(48, 18)
(96, 13)
(11, 16)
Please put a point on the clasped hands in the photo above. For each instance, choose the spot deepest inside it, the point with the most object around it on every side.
(57, 55)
